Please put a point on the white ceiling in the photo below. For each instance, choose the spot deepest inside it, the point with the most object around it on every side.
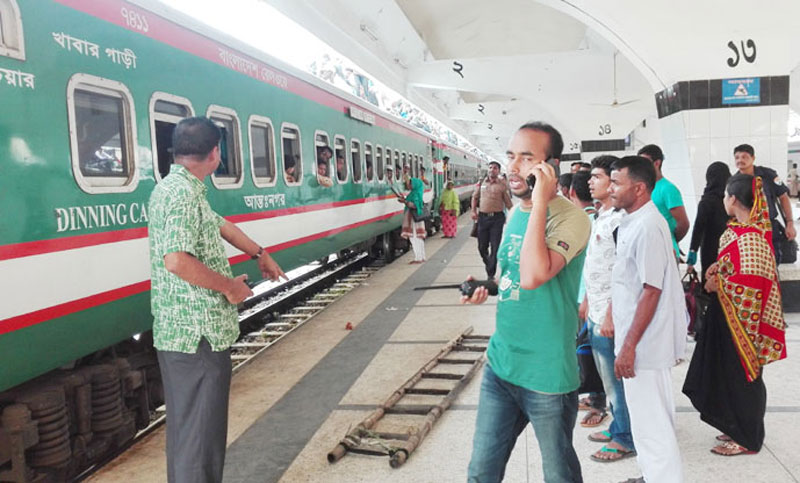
(550, 60)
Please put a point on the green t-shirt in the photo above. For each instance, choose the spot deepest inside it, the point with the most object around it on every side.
(667, 196)
(534, 341)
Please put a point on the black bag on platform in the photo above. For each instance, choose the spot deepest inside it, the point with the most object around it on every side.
(785, 247)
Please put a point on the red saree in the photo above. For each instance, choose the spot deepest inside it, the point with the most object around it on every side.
(748, 288)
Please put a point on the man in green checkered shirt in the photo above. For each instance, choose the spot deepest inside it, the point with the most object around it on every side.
(193, 301)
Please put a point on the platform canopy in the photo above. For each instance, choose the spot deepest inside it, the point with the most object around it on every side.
(590, 68)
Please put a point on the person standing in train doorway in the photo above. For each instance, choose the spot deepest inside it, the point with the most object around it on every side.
(193, 301)
(488, 200)
(532, 370)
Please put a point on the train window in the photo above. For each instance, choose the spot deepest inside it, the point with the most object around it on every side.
(398, 168)
(388, 162)
(229, 172)
(12, 43)
(379, 162)
(355, 157)
(324, 153)
(340, 149)
(416, 165)
(404, 163)
(262, 151)
(369, 162)
(166, 111)
(102, 134)
(292, 154)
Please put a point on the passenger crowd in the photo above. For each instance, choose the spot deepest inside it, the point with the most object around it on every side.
(596, 247)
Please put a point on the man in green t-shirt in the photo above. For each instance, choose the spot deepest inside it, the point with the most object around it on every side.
(532, 374)
(667, 198)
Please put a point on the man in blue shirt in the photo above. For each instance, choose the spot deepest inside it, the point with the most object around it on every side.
(667, 198)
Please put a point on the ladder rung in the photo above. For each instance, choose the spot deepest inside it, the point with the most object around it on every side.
(469, 348)
(428, 391)
(441, 375)
(456, 361)
(397, 436)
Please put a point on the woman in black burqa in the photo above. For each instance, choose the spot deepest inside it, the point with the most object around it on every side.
(711, 219)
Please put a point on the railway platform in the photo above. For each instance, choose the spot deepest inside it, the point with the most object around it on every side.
(296, 401)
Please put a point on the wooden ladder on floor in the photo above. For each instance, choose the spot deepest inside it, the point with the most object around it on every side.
(465, 351)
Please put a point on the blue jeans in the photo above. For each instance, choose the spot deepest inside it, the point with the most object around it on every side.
(603, 353)
(503, 412)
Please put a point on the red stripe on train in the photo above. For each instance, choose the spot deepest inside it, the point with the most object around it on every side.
(61, 310)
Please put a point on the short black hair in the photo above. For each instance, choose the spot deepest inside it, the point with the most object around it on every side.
(604, 162)
(322, 149)
(446, 158)
(580, 183)
(583, 164)
(640, 169)
(653, 152)
(565, 180)
(744, 148)
(195, 137)
(288, 162)
(495, 162)
(740, 186)
(323, 163)
(556, 142)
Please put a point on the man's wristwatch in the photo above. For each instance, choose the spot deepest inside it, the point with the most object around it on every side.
(258, 254)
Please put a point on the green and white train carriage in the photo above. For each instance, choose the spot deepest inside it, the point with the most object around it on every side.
(90, 92)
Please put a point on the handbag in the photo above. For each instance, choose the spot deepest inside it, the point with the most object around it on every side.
(474, 232)
(426, 213)
(697, 300)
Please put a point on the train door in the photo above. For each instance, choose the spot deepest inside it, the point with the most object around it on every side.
(166, 111)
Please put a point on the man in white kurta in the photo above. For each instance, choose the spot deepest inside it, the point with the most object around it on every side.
(649, 319)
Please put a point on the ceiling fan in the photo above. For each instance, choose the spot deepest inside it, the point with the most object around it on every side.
(615, 102)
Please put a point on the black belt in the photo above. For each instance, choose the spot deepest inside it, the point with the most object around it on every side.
(493, 213)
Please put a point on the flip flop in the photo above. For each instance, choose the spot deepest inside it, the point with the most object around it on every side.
(621, 454)
(592, 413)
(735, 449)
(605, 439)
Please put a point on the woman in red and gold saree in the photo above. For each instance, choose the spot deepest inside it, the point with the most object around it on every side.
(745, 327)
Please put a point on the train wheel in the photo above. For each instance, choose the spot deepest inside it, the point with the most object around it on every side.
(387, 247)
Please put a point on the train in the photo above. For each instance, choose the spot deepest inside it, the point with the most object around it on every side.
(90, 93)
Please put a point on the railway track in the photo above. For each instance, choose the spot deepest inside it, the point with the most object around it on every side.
(275, 311)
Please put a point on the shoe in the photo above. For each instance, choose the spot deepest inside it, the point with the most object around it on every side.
(599, 415)
(617, 454)
(600, 437)
(731, 449)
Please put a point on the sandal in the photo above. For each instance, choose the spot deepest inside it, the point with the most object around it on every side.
(600, 437)
(598, 415)
(731, 449)
(618, 454)
(585, 404)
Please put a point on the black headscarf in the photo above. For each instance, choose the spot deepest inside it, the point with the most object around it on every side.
(717, 176)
